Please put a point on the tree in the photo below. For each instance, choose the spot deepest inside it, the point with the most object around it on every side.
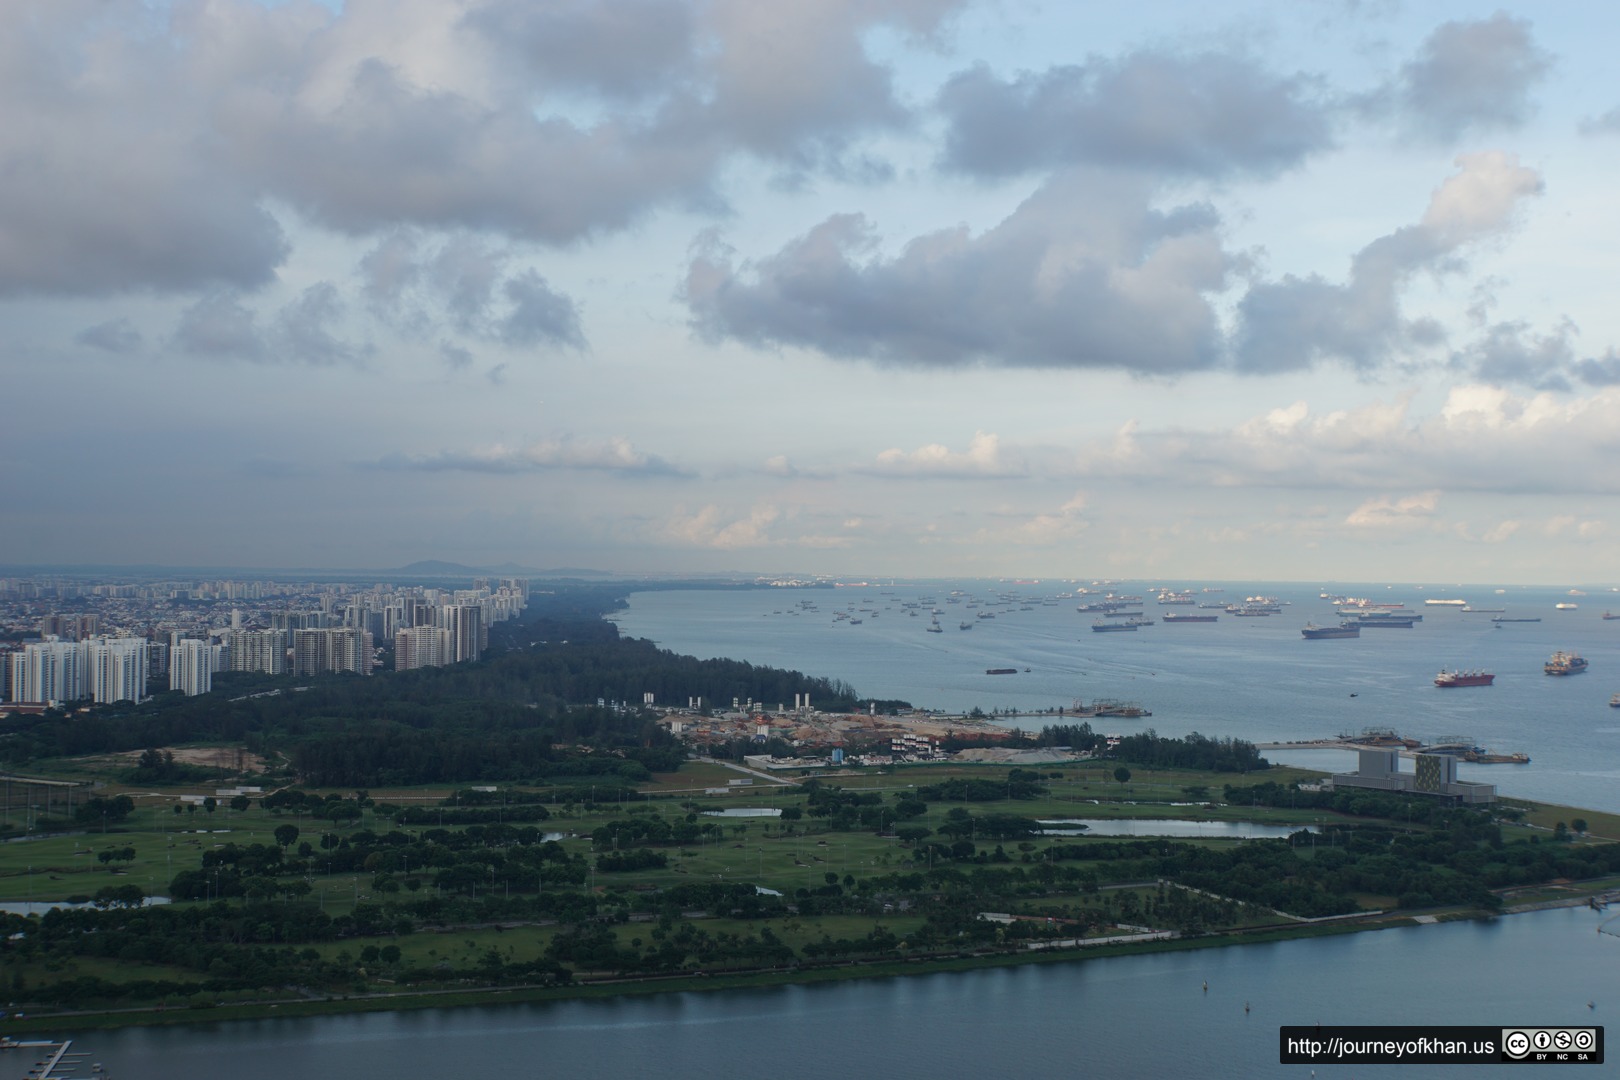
(1578, 824)
(1122, 774)
(286, 834)
(240, 803)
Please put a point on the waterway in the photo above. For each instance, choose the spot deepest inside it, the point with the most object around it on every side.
(1223, 830)
(1250, 678)
(1130, 1017)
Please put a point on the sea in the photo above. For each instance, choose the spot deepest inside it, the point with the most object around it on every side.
(1253, 678)
(1209, 1013)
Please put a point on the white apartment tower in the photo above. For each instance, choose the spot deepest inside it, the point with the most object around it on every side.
(258, 650)
(421, 646)
(192, 665)
(115, 669)
(466, 625)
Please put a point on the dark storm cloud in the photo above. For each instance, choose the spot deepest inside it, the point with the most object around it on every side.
(1470, 77)
(114, 336)
(1084, 274)
(1206, 114)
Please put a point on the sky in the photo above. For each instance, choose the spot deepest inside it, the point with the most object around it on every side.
(924, 288)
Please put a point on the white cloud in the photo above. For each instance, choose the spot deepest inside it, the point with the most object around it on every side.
(983, 459)
(1387, 513)
(614, 455)
(706, 528)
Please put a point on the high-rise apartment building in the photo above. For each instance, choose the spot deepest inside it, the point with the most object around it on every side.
(45, 672)
(421, 646)
(115, 669)
(257, 650)
(341, 648)
(466, 625)
(192, 664)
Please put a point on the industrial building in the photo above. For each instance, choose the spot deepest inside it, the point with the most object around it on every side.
(1380, 770)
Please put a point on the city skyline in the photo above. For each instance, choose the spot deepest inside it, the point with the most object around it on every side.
(924, 288)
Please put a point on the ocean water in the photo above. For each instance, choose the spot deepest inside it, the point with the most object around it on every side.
(1250, 678)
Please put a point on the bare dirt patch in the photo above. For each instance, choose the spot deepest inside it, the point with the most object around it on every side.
(229, 758)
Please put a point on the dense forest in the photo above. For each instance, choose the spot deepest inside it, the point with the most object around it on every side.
(530, 706)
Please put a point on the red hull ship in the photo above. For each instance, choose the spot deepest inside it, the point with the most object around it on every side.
(1449, 679)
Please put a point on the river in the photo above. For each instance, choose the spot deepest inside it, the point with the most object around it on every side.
(1146, 1017)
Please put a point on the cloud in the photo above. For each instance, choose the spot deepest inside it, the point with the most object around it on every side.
(1386, 513)
(614, 455)
(1482, 439)
(1470, 77)
(630, 50)
(454, 356)
(1206, 114)
(465, 280)
(1599, 371)
(1297, 322)
(1044, 529)
(1568, 526)
(539, 315)
(1086, 273)
(1513, 353)
(146, 143)
(303, 333)
(706, 528)
(983, 459)
(1606, 124)
(108, 187)
(114, 336)
(221, 327)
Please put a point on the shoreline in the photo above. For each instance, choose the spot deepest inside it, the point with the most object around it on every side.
(151, 1016)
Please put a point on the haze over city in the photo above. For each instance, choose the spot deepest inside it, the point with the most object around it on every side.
(926, 288)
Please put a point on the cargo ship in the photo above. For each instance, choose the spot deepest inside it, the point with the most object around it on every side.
(1445, 603)
(1564, 663)
(1173, 617)
(1449, 679)
(1112, 627)
(1399, 622)
(1001, 671)
(1347, 629)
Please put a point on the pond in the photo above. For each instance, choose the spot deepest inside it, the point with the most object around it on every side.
(1234, 830)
